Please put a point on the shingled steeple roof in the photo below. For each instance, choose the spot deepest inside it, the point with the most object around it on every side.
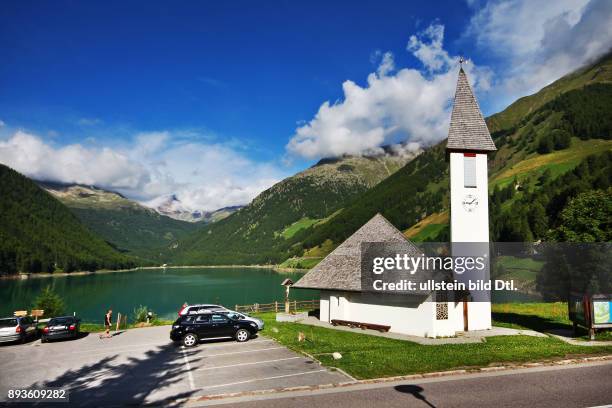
(468, 129)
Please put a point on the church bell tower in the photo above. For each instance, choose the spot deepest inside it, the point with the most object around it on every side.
(469, 143)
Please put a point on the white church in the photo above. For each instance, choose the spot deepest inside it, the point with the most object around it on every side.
(338, 276)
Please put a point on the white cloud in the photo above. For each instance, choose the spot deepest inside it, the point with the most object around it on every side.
(427, 47)
(387, 64)
(2, 123)
(204, 176)
(409, 106)
(30, 155)
(538, 41)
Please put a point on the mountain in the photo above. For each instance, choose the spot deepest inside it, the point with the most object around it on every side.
(261, 231)
(598, 72)
(172, 207)
(39, 234)
(552, 146)
(130, 227)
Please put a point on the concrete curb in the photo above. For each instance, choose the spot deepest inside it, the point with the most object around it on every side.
(214, 397)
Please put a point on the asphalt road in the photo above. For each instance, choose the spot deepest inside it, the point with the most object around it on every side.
(142, 366)
(578, 386)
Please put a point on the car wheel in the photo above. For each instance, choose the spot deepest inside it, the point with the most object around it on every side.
(242, 335)
(190, 340)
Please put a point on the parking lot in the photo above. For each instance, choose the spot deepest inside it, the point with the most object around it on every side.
(142, 366)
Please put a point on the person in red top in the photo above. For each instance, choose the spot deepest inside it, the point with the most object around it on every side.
(183, 307)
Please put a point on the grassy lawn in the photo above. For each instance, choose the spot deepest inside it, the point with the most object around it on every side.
(365, 356)
(540, 317)
(291, 230)
(301, 263)
(429, 232)
(558, 162)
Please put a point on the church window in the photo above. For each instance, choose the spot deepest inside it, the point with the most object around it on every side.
(442, 305)
(469, 170)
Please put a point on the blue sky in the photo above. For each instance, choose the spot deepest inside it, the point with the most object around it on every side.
(217, 101)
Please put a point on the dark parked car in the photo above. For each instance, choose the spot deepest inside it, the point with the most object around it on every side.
(66, 327)
(189, 329)
(17, 329)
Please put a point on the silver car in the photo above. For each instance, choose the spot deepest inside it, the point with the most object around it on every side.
(17, 329)
(243, 316)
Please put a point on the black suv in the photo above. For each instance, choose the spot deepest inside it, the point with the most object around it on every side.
(190, 329)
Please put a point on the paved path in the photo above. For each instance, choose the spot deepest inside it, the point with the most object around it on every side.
(568, 337)
(567, 386)
(475, 336)
(143, 366)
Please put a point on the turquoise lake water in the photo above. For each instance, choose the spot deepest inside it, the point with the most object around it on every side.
(162, 291)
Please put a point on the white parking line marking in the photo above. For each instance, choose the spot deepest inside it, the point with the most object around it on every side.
(189, 374)
(264, 379)
(230, 344)
(245, 351)
(244, 364)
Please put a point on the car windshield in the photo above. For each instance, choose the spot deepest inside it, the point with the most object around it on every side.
(8, 323)
(60, 321)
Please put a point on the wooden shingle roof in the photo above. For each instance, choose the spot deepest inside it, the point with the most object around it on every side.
(341, 269)
(468, 129)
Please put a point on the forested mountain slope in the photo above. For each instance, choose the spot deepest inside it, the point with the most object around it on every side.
(39, 234)
(130, 227)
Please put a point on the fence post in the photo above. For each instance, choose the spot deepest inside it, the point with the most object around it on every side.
(118, 320)
(256, 307)
(236, 309)
(295, 305)
(276, 306)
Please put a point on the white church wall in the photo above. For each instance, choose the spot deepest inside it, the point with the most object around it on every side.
(452, 325)
(471, 226)
(479, 316)
(324, 307)
(404, 315)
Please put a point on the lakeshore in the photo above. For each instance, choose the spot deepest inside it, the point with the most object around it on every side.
(28, 275)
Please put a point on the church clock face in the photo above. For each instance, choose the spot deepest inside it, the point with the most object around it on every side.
(470, 203)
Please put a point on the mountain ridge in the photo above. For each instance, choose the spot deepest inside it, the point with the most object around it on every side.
(259, 232)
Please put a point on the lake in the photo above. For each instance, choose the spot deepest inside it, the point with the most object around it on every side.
(162, 291)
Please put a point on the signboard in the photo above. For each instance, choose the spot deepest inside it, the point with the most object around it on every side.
(601, 312)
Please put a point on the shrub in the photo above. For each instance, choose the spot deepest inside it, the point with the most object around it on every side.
(50, 302)
(140, 314)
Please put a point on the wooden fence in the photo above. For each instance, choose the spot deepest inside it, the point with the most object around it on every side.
(294, 306)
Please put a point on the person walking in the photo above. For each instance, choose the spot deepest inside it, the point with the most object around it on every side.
(108, 317)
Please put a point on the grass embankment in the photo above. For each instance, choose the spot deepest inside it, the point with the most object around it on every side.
(96, 328)
(365, 356)
(542, 317)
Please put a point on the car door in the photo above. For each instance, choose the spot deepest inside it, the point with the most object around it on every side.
(222, 325)
(203, 326)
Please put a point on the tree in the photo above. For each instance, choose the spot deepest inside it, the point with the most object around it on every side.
(50, 302)
(586, 218)
(582, 264)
